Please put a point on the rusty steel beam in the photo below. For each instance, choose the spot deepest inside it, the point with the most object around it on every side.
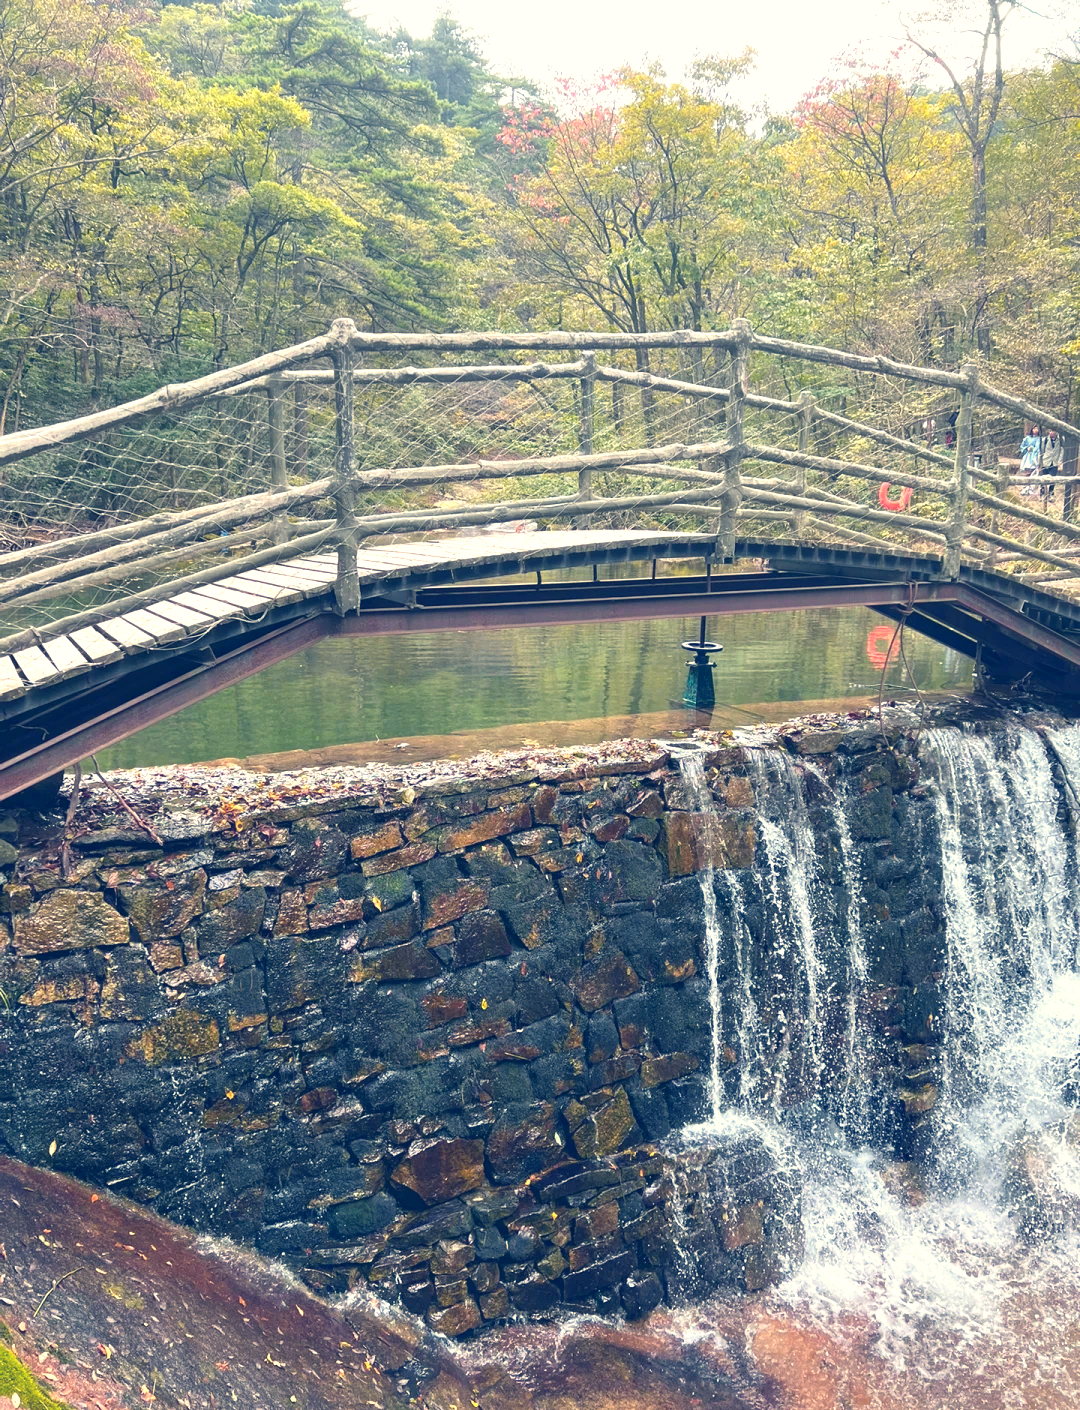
(1016, 623)
(720, 602)
(112, 726)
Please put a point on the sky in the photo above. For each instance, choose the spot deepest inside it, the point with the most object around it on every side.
(797, 41)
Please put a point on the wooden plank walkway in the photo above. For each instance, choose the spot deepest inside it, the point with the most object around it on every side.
(253, 592)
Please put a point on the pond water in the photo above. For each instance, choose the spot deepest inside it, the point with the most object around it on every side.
(397, 687)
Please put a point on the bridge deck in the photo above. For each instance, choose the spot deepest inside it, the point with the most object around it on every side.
(71, 695)
(188, 615)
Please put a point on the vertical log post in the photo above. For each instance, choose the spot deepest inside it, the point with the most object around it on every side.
(279, 477)
(300, 429)
(347, 586)
(585, 430)
(738, 387)
(1070, 465)
(806, 428)
(954, 532)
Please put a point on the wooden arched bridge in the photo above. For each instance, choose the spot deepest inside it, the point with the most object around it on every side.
(163, 549)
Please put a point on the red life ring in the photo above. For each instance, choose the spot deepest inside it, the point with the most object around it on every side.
(894, 504)
(881, 645)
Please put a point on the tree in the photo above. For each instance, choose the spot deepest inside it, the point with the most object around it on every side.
(976, 104)
(874, 169)
(635, 200)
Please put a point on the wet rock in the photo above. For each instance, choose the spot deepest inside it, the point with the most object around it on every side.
(654, 1071)
(184, 1034)
(455, 1321)
(498, 823)
(70, 920)
(446, 895)
(533, 1293)
(603, 1130)
(444, 1221)
(441, 1170)
(316, 849)
(233, 922)
(903, 1179)
(694, 841)
(481, 936)
(374, 840)
(605, 1273)
(495, 1304)
(601, 980)
(640, 1294)
(411, 961)
(627, 871)
(732, 1218)
(396, 861)
(525, 1141)
(1039, 1184)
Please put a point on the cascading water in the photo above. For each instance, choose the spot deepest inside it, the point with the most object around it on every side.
(1001, 1053)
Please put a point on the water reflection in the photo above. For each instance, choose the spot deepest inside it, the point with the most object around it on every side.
(401, 686)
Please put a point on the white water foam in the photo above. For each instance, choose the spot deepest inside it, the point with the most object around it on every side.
(949, 1272)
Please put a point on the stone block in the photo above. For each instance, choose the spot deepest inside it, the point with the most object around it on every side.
(316, 849)
(159, 912)
(455, 1321)
(444, 1221)
(603, 979)
(184, 1034)
(640, 1294)
(412, 856)
(375, 840)
(695, 841)
(70, 920)
(446, 894)
(291, 918)
(654, 1071)
(524, 1142)
(233, 922)
(385, 928)
(443, 1008)
(410, 961)
(533, 1293)
(602, 1131)
(626, 871)
(441, 1170)
(605, 1274)
(500, 822)
(495, 1304)
(481, 936)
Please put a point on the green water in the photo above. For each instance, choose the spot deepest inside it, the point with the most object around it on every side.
(393, 687)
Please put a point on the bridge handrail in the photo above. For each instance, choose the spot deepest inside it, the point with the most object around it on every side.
(723, 493)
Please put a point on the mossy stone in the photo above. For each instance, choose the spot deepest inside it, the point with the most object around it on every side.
(15, 1379)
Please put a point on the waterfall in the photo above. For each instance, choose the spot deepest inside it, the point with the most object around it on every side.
(691, 764)
(999, 824)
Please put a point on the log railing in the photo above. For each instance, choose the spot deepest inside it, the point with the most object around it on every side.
(721, 476)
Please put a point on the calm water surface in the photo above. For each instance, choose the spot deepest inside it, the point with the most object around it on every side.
(346, 691)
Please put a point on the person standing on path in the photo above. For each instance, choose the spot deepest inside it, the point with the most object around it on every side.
(1053, 455)
(1030, 454)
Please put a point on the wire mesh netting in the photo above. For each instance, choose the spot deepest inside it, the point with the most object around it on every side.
(449, 442)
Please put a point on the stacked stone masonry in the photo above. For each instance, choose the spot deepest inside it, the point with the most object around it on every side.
(439, 1039)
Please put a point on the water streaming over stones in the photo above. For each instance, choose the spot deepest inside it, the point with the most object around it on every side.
(925, 1144)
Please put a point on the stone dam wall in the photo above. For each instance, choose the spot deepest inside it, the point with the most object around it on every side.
(437, 1030)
